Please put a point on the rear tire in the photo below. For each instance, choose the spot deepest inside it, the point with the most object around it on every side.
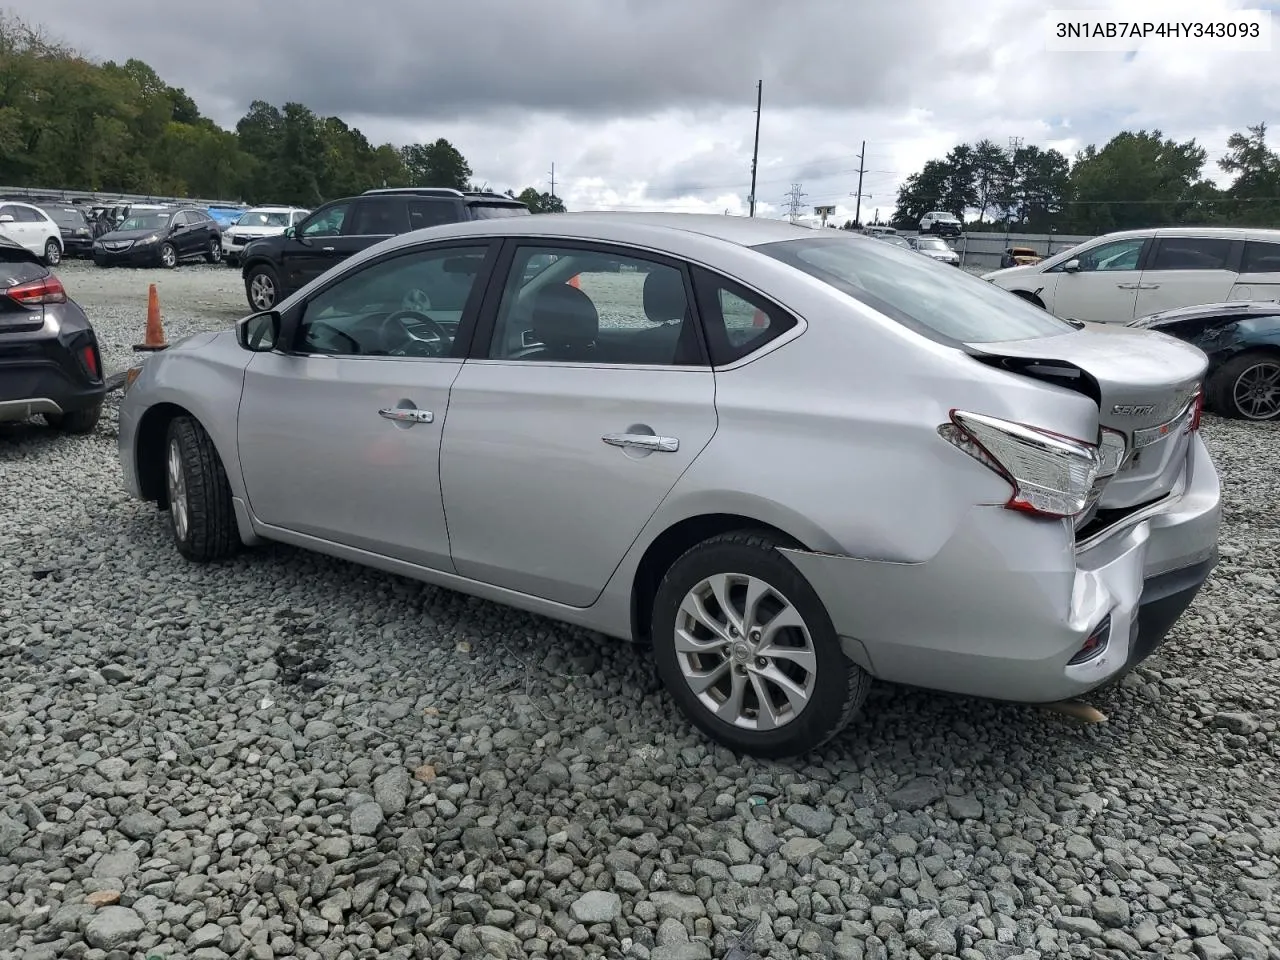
(201, 512)
(1248, 374)
(826, 687)
(214, 253)
(52, 253)
(77, 421)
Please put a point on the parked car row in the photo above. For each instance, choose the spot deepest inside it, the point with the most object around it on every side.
(164, 236)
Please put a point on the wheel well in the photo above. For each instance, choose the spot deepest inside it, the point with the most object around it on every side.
(152, 431)
(1028, 295)
(668, 546)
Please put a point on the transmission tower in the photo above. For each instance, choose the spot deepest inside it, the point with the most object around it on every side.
(1015, 144)
(795, 195)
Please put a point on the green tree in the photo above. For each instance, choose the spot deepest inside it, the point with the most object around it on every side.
(920, 193)
(539, 202)
(1256, 184)
(1037, 189)
(992, 173)
(1136, 180)
(436, 164)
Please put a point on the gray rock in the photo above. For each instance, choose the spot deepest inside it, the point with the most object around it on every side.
(1111, 911)
(1081, 926)
(902, 845)
(596, 906)
(1246, 948)
(677, 905)
(113, 928)
(816, 823)
(798, 848)
(964, 808)
(1243, 724)
(207, 936)
(140, 825)
(117, 865)
(12, 833)
(391, 790)
(915, 794)
(761, 838)
(366, 818)
(1211, 948)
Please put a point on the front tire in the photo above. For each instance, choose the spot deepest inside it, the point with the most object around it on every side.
(77, 421)
(747, 649)
(262, 288)
(1247, 387)
(52, 253)
(168, 256)
(200, 508)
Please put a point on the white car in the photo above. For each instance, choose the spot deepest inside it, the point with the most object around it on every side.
(935, 248)
(32, 228)
(257, 223)
(942, 223)
(1120, 276)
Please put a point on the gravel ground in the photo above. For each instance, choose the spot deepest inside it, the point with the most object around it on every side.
(289, 756)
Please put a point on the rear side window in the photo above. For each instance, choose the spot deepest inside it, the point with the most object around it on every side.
(737, 320)
(384, 216)
(1260, 257)
(935, 300)
(431, 213)
(1191, 253)
(494, 211)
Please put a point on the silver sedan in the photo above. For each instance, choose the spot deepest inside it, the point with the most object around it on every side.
(788, 461)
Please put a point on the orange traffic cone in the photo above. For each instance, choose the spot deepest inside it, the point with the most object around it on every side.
(575, 282)
(760, 319)
(155, 329)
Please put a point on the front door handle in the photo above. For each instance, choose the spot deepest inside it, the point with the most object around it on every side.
(327, 249)
(1128, 286)
(642, 441)
(407, 415)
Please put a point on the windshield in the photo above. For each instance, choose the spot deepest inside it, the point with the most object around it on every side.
(936, 301)
(896, 241)
(145, 221)
(264, 218)
(492, 211)
(932, 243)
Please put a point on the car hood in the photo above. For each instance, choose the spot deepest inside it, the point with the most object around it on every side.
(256, 231)
(941, 254)
(1009, 273)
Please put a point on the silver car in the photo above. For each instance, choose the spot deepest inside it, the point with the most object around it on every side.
(936, 248)
(789, 460)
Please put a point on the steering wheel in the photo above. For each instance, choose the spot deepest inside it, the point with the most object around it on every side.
(409, 344)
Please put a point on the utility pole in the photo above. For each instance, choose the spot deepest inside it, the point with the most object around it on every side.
(755, 151)
(862, 165)
(1015, 144)
(795, 195)
(553, 180)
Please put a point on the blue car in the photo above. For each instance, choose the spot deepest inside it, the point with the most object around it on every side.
(226, 216)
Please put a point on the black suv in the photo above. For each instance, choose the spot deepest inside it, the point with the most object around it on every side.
(274, 267)
(49, 359)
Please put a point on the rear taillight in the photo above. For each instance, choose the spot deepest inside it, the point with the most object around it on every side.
(46, 290)
(1197, 408)
(1051, 475)
(89, 359)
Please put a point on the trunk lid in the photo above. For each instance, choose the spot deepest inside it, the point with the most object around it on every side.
(1145, 384)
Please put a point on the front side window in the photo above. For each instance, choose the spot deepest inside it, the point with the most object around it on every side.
(327, 222)
(410, 305)
(577, 305)
(1116, 255)
(1192, 253)
(909, 288)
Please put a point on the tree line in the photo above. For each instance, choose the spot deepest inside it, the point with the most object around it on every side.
(1137, 179)
(69, 123)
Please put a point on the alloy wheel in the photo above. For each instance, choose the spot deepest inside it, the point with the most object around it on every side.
(1256, 392)
(178, 508)
(745, 652)
(262, 291)
(168, 256)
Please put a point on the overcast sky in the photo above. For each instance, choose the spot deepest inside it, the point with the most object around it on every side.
(650, 103)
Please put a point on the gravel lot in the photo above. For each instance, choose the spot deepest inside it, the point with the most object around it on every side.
(290, 756)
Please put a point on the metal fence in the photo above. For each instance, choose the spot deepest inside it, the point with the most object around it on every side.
(52, 195)
(982, 251)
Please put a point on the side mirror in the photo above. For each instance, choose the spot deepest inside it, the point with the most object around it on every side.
(258, 333)
(1071, 266)
(289, 233)
(6, 218)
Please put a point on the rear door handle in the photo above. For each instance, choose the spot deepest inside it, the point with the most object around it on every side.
(1128, 286)
(1148, 286)
(642, 441)
(407, 415)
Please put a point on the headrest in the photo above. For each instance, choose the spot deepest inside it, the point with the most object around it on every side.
(664, 297)
(564, 315)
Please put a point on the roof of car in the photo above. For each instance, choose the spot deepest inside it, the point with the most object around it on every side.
(619, 227)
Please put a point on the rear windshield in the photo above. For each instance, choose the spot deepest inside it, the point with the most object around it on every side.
(930, 243)
(492, 211)
(264, 218)
(936, 301)
(67, 216)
